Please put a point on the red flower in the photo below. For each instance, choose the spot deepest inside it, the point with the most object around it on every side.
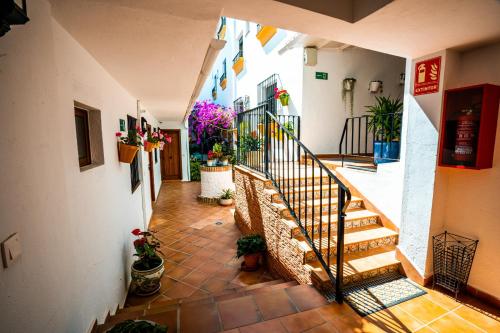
(136, 232)
(139, 242)
(118, 134)
(169, 139)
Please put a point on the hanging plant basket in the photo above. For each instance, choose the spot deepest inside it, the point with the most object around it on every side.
(284, 99)
(126, 153)
(148, 146)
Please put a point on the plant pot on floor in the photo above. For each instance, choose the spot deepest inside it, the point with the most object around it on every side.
(251, 262)
(226, 202)
(148, 146)
(146, 281)
(385, 152)
(126, 153)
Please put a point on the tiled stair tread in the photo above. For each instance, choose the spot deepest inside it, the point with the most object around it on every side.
(324, 202)
(356, 264)
(351, 236)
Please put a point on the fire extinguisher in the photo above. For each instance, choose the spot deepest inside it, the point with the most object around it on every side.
(465, 136)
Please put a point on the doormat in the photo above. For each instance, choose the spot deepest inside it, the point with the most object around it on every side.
(380, 293)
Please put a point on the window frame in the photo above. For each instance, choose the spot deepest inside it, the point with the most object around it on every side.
(82, 113)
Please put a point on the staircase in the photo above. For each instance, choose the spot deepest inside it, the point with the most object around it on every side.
(369, 246)
(226, 310)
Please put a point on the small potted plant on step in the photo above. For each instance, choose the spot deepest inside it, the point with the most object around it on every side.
(135, 326)
(282, 95)
(148, 269)
(226, 198)
(129, 145)
(251, 248)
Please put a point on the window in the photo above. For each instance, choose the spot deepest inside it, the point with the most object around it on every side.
(82, 136)
(156, 150)
(265, 93)
(241, 104)
(240, 46)
(88, 136)
(135, 181)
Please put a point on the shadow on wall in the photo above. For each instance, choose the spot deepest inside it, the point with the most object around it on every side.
(275, 41)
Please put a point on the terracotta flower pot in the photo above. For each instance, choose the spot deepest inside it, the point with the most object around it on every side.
(126, 153)
(146, 282)
(148, 146)
(251, 262)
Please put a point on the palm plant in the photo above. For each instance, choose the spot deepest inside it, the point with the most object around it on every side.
(385, 118)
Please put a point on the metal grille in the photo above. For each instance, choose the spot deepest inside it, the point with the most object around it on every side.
(452, 260)
(265, 93)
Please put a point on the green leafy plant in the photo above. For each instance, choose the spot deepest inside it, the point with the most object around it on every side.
(217, 150)
(385, 118)
(139, 326)
(289, 126)
(227, 194)
(250, 142)
(194, 166)
(250, 244)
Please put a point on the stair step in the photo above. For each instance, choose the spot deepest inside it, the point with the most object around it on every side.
(354, 219)
(355, 240)
(357, 267)
(310, 192)
(356, 203)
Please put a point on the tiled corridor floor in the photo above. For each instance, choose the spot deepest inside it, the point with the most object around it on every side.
(200, 261)
(198, 244)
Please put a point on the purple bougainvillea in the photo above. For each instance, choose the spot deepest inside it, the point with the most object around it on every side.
(208, 119)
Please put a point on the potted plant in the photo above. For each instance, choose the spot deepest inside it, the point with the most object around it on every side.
(217, 150)
(251, 146)
(226, 198)
(282, 95)
(129, 145)
(211, 160)
(224, 160)
(251, 248)
(134, 326)
(164, 139)
(148, 269)
(152, 141)
(348, 89)
(385, 123)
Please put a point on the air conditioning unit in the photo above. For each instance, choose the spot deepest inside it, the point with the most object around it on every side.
(310, 56)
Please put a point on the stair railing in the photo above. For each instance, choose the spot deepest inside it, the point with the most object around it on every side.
(269, 144)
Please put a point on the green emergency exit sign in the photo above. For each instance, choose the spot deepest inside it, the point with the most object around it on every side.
(321, 76)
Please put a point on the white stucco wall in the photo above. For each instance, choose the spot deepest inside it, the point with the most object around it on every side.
(74, 226)
(471, 197)
(324, 113)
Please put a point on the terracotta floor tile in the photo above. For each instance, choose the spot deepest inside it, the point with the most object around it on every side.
(179, 257)
(210, 266)
(179, 272)
(441, 299)
(247, 278)
(306, 297)
(274, 303)
(453, 323)
(232, 331)
(193, 262)
(334, 310)
(197, 318)
(166, 283)
(238, 312)
(302, 321)
(355, 324)
(179, 290)
(423, 309)
(479, 319)
(324, 328)
(394, 320)
(168, 318)
(269, 326)
(196, 278)
(227, 273)
(214, 285)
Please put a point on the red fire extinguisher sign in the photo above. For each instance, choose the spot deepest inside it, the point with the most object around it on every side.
(427, 74)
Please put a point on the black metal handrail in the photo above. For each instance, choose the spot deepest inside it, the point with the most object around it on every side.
(360, 134)
(268, 144)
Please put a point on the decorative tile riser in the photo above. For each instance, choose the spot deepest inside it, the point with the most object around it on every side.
(303, 181)
(355, 278)
(302, 196)
(352, 248)
(324, 208)
(347, 225)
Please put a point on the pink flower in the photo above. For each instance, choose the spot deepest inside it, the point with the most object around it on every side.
(169, 139)
(118, 134)
(161, 136)
(136, 232)
(155, 134)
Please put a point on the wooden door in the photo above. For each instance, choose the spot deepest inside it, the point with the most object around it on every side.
(171, 156)
(151, 171)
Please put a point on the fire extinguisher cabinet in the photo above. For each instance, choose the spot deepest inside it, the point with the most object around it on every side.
(468, 127)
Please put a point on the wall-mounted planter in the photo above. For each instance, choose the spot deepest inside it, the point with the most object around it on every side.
(126, 153)
(148, 146)
(223, 84)
(238, 65)
(265, 34)
(375, 87)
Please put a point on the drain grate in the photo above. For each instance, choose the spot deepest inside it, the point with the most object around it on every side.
(218, 222)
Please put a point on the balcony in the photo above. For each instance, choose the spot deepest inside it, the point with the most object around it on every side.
(214, 93)
(238, 62)
(221, 33)
(223, 81)
(265, 33)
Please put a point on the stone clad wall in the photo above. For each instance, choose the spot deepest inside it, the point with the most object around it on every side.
(256, 212)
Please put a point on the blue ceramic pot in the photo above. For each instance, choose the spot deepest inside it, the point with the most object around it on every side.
(385, 152)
